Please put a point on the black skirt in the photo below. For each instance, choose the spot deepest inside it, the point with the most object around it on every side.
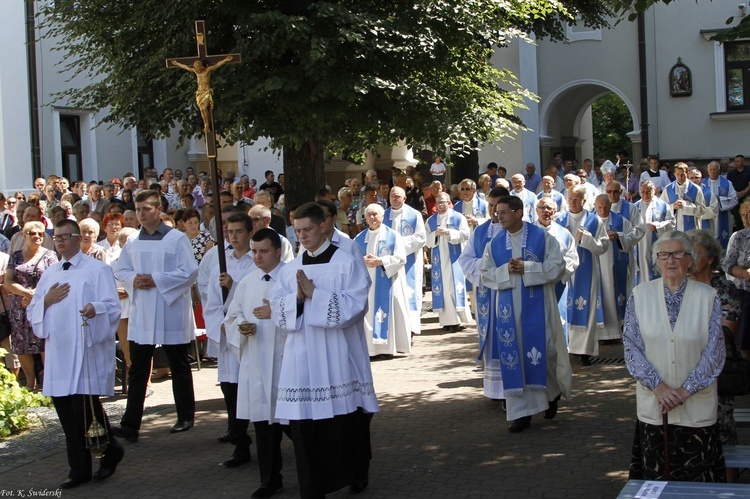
(695, 454)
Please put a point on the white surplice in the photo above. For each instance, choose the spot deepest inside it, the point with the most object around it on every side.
(689, 208)
(326, 368)
(163, 314)
(214, 311)
(496, 275)
(399, 331)
(259, 355)
(651, 215)
(70, 368)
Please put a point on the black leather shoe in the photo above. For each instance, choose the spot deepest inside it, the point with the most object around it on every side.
(520, 424)
(237, 460)
(128, 434)
(585, 360)
(181, 426)
(552, 411)
(358, 486)
(267, 491)
(226, 437)
(72, 483)
(112, 457)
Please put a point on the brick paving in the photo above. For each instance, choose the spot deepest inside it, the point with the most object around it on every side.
(436, 437)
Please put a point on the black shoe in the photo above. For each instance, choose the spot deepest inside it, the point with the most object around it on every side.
(225, 438)
(358, 486)
(111, 458)
(268, 491)
(552, 411)
(520, 424)
(72, 483)
(585, 360)
(181, 426)
(237, 460)
(128, 434)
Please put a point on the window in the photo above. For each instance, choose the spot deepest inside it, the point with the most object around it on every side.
(70, 145)
(145, 154)
(737, 67)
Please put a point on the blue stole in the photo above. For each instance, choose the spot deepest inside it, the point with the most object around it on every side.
(556, 197)
(478, 209)
(658, 214)
(484, 295)
(691, 192)
(621, 261)
(561, 287)
(532, 373)
(578, 305)
(382, 308)
(454, 251)
(408, 226)
(723, 217)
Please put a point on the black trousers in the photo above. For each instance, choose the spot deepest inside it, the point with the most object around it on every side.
(140, 371)
(74, 412)
(236, 427)
(331, 453)
(268, 448)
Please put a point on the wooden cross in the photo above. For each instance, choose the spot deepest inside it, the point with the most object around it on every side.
(202, 65)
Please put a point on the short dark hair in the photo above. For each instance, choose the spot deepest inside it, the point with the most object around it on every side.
(329, 207)
(191, 213)
(372, 186)
(150, 196)
(498, 192)
(310, 210)
(492, 166)
(226, 194)
(231, 209)
(68, 223)
(243, 218)
(514, 202)
(739, 156)
(502, 169)
(269, 234)
(268, 172)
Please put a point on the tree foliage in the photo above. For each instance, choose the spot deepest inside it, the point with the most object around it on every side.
(611, 123)
(350, 74)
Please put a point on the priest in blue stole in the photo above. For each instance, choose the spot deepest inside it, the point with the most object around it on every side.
(523, 263)
(585, 313)
(475, 212)
(408, 223)
(723, 191)
(658, 218)
(469, 260)
(447, 232)
(685, 199)
(387, 321)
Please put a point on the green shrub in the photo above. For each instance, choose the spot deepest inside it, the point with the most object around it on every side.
(14, 402)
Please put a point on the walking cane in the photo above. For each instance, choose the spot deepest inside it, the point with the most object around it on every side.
(665, 420)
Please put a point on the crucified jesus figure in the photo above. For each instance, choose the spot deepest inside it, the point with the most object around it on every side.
(204, 95)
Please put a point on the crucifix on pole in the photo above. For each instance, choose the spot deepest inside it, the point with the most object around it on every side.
(202, 65)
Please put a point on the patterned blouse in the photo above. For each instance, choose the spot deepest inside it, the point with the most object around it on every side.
(712, 358)
(729, 296)
(738, 253)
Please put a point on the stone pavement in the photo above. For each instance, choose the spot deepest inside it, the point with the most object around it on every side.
(436, 437)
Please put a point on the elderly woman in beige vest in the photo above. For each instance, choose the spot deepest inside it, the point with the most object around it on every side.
(674, 348)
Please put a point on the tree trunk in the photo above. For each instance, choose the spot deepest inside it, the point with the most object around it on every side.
(304, 172)
(465, 166)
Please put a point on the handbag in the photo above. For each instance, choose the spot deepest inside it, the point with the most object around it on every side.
(734, 380)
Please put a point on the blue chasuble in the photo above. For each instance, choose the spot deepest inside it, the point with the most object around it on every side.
(690, 194)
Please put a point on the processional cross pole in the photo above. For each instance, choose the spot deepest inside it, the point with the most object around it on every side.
(202, 65)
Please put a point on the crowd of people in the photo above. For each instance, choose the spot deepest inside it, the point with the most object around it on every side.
(547, 267)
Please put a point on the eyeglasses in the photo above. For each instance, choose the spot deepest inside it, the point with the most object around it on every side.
(677, 255)
(33, 233)
(63, 237)
(466, 188)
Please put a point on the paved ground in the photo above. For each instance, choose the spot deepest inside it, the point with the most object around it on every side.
(436, 437)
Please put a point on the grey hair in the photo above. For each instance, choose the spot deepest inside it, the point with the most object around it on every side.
(374, 208)
(710, 245)
(675, 235)
(648, 184)
(472, 185)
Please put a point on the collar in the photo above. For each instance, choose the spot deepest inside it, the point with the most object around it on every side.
(161, 229)
(274, 273)
(320, 250)
(75, 262)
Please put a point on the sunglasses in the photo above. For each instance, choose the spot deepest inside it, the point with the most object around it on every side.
(33, 233)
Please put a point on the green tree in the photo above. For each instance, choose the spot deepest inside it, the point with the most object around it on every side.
(317, 76)
(611, 123)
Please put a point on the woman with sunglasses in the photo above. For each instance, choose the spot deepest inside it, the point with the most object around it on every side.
(25, 268)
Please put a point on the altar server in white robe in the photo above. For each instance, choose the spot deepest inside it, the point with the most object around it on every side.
(157, 270)
(617, 268)
(211, 259)
(78, 363)
(259, 347)
(685, 198)
(239, 264)
(524, 262)
(658, 218)
(585, 313)
(447, 233)
(545, 212)
(726, 197)
(469, 260)
(408, 222)
(387, 320)
(325, 386)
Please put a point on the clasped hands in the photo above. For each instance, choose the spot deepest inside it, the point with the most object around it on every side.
(669, 397)
(144, 281)
(305, 286)
(372, 261)
(515, 265)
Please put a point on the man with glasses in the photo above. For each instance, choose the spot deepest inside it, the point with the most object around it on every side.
(261, 217)
(78, 368)
(447, 233)
(523, 262)
(685, 199)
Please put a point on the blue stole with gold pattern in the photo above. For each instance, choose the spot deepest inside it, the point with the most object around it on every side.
(382, 307)
(408, 227)
(454, 251)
